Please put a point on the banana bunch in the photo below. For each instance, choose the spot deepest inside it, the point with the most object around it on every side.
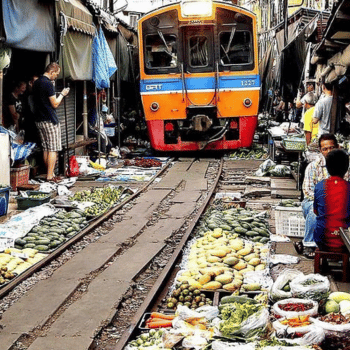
(97, 166)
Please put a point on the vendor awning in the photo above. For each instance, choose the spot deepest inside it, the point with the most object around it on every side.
(77, 41)
(29, 25)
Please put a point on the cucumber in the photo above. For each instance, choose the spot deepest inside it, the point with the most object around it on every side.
(54, 244)
(252, 233)
(29, 245)
(41, 248)
(18, 246)
(225, 227)
(29, 239)
(71, 234)
(43, 242)
(264, 240)
(240, 230)
(20, 242)
(237, 299)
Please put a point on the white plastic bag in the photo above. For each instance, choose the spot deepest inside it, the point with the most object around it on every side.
(300, 287)
(219, 345)
(265, 167)
(328, 327)
(257, 321)
(208, 312)
(288, 314)
(282, 329)
(286, 276)
(315, 336)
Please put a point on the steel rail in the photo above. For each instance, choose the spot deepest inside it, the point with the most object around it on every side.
(156, 290)
(26, 274)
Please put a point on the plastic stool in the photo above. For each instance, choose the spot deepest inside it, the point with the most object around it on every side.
(344, 257)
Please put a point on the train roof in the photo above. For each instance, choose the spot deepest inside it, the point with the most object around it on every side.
(214, 1)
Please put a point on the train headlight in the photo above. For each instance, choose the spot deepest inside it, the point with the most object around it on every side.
(196, 8)
(154, 106)
(247, 102)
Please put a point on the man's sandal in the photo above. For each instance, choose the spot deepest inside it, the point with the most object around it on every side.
(299, 247)
(309, 253)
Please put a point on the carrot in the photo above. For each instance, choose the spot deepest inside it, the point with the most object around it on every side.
(160, 324)
(154, 320)
(162, 316)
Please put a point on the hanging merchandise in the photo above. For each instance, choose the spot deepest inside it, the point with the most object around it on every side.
(103, 64)
(5, 58)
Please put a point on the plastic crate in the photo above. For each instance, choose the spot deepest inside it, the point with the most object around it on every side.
(290, 221)
(24, 203)
(19, 176)
(4, 200)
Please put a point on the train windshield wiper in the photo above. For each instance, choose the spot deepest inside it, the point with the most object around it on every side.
(167, 50)
(233, 32)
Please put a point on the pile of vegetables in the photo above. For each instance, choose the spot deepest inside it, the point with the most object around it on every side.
(103, 199)
(147, 340)
(159, 320)
(338, 302)
(38, 196)
(143, 163)
(289, 203)
(247, 153)
(187, 295)
(52, 231)
(236, 222)
(14, 261)
(335, 318)
(300, 321)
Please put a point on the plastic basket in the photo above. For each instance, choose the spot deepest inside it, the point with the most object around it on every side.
(294, 144)
(24, 203)
(4, 200)
(19, 176)
(290, 221)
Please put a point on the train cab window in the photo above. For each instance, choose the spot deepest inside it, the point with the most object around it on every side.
(198, 51)
(161, 51)
(236, 48)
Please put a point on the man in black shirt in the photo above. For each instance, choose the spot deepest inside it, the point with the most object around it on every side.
(13, 107)
(46, 102)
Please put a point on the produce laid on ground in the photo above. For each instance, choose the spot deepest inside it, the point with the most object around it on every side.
(143, 162)
(289, 203)
(224, 298)
(15, 261)
(235, 222)
(256, 152)
(103, 199)
(52, 231)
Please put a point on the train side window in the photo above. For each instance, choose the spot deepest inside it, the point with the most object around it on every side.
(198, 51)
(161, 53)
(236, 49)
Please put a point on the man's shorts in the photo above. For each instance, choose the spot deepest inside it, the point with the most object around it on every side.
(50, 135)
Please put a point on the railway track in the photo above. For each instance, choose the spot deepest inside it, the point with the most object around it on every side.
(186, 180)
(92, 226)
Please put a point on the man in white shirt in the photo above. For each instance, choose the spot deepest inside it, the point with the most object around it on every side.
(322, 113)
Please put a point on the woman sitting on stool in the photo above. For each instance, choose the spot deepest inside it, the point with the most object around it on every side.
(331, 205)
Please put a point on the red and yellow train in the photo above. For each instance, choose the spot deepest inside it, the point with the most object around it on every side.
(199, 79)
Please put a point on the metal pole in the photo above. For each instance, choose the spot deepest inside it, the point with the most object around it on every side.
(118, 98)
(285, 17)
(1, 93)
(99, 129)
(85, 112)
